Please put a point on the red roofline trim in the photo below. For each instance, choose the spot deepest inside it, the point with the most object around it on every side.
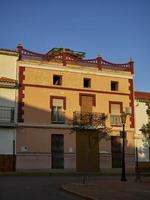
(142, 95)
(67, 57)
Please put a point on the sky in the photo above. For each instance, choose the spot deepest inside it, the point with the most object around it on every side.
(115, 29)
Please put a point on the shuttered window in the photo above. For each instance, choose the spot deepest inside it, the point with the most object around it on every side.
(115, 109)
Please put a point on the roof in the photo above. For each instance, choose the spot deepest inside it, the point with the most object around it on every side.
(56, 51)
(8, 51)
(8, 80)
(142, 95)
(5, 49)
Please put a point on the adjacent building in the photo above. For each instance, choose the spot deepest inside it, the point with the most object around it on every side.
(62, 101)
(141, 117)
(8, 114)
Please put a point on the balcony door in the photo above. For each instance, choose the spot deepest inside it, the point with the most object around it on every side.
(57, 114)
(86, 109)
(115, 109)
(86, 103)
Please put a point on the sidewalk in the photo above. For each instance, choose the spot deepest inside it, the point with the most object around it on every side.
(107, 188)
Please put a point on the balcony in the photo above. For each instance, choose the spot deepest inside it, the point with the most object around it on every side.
(58, 117)
(115, 120)
(7, 116)
(88, 120)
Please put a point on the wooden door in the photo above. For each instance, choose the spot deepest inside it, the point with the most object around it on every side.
(87, 151)
(57, 150)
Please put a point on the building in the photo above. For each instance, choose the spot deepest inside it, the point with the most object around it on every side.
(141, 118)
(8, 114)
(61, 97)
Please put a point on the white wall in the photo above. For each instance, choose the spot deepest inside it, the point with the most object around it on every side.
(6, 140)
(7, 98)
(8, 66)
(141, 143)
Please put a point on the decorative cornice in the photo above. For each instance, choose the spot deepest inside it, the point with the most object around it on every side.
(68, 57)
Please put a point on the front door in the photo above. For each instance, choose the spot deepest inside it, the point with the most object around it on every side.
(87, 152)
(57, 150)
(116, 151)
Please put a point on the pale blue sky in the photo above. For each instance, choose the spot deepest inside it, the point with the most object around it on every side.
(116, 29)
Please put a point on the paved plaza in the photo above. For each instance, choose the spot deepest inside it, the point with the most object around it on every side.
(71, 187)
(112, 188)
(35, 188)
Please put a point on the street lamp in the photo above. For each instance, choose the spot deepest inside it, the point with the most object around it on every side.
(123, 172)
(123, 120)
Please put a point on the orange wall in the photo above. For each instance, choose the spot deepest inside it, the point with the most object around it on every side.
(37, 99)
(37, 103)
(39, 140)
(73, 80)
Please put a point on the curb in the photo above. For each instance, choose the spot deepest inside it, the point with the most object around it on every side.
(57, 173)
(63, 187)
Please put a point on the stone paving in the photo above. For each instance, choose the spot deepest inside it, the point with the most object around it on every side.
(105, 189)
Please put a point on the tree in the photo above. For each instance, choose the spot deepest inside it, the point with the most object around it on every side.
(93, 126)
(146, 127)
(92, 121)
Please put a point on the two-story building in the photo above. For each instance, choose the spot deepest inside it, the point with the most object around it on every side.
(8, 95)
(61, 103)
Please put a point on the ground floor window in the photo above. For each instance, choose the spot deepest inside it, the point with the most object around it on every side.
(57, 151)
(116, 151)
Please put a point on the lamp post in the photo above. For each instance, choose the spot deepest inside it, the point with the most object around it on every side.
(123, 120)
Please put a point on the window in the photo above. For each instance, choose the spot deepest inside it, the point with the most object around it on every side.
(57, 110)
(57, 80)
(86, 82)
(57, 114)
(115, 109)
(114, 86)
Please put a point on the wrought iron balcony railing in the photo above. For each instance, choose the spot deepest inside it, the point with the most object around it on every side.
(89, 120)
(58, 117)
(115, 120)
(6, 115)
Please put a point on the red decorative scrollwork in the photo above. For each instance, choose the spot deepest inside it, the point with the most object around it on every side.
(68, 57)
